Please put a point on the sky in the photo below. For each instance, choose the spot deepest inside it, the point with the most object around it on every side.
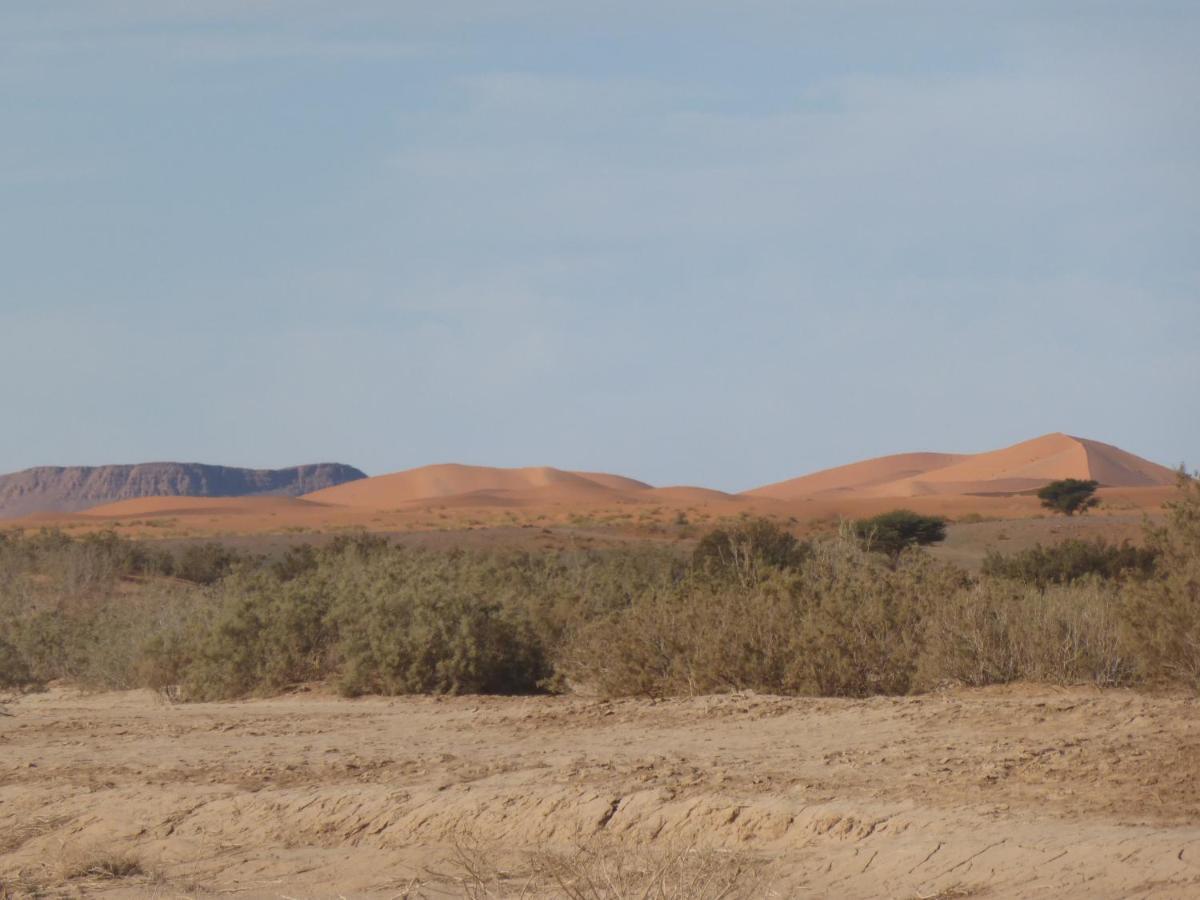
(689, 242)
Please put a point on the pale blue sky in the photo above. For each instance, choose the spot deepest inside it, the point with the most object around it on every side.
(685, 241)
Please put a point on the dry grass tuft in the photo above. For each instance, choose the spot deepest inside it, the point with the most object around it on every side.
(104, 866)
(607, 870)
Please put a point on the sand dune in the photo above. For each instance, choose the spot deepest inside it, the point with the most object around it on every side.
(859, 475)
(1021, 467)
(689, 494)
(452, 480)
(616, 482)
(997, 484)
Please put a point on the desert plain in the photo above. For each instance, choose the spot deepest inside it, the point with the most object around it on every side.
(1018, 790)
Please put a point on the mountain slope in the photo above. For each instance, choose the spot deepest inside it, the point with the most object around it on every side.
(73, 488)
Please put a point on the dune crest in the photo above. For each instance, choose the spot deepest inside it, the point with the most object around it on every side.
(451, 480)
(1022, 467)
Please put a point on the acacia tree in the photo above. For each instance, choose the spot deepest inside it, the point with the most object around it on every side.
(1069, 495)
(894, 531)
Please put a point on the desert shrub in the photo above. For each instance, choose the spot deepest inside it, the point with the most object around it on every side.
(100, 641)
(892, 533)
(694, 637)
(14, 669)
(205, 563)
(863, 631)
(845, 623)
(1001, 631)
(408, 642)
(299, 560)
(752, 609)
(1071, 560)
(417, 623)
(748, 550)
(1163, 614)
(263, 636)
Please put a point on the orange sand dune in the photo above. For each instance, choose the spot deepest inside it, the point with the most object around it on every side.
(440, 497)
(1021, 467)
(177, 506)
(616, 482)
(1031, 464)
(688, 494)
(451, 480)
(855, 476)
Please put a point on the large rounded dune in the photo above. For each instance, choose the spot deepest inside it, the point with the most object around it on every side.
(445, 481)
(1022, 467)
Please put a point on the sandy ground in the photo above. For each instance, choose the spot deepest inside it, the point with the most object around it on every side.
(967, 543)
(1018, 792)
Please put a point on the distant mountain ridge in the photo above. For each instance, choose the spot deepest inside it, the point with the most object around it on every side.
(73, 488)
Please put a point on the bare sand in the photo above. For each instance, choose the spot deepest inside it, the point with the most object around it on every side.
(1015, 792)
(652, 513)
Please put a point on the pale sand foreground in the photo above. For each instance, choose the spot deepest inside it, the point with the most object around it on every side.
(1022, 792)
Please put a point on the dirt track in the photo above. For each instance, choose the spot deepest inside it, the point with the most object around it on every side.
(1019, 792)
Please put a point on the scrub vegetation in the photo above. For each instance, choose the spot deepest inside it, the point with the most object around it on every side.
(752, 608)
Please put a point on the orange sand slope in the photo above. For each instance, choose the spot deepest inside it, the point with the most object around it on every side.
(1021, 467)
(484, 483)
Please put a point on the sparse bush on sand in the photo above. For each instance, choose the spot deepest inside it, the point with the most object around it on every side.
(749, 551)
(1071, 560)
(1163, 619)
(1001, 631)
(753, 608)
(843, 624)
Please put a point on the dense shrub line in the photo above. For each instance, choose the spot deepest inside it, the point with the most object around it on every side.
(753, 609)
(1071, 560)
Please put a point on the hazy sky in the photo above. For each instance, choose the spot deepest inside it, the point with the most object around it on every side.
(717, 243)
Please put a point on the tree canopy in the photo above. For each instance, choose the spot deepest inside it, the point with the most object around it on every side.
(1069, 495)
(893, 532)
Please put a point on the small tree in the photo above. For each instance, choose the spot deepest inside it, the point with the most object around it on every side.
(894, 531)
(1070, 495)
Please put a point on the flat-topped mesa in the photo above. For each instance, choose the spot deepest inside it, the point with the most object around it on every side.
(49, 489)
(1022, 467)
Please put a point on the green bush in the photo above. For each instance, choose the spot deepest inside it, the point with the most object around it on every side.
(263, 636)
(749, 550)
(894, 532)
(205, 563)
(1069, 495)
